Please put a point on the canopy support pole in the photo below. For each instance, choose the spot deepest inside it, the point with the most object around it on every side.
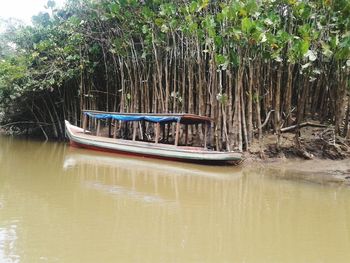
(163, 131)
(85, 122)
(140, 129)
(157, 132)
(109, 128)
(115, 129)
(134, 131)
(167, 131)
(98, 127)
(205, 135)
(177, 133)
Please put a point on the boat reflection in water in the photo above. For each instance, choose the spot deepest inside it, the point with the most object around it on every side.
(143, 179)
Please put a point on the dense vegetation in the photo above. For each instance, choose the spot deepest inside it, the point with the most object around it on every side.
(237, 61)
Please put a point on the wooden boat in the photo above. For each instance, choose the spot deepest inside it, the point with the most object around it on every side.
(86, 138)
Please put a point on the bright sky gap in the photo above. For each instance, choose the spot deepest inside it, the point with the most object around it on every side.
(23, 9)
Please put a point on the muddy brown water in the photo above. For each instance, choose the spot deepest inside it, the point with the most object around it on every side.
(63, 204)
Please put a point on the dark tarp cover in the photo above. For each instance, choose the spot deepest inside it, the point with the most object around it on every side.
(133, 117)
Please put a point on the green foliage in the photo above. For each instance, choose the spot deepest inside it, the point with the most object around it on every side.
(86, 38)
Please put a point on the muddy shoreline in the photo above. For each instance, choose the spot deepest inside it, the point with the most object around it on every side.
(316, 155)
(319, 171)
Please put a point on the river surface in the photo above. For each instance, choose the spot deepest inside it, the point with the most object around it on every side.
(63, 204)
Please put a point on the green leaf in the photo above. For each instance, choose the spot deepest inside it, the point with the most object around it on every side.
(193, 27)
(193, 7)
(304, 31)
(220, 59)
(334, 41)
(326, 50)
(246, 25)
(303, 47)
(159, 21)
(202, 5)
(115, 8)
(218, 41)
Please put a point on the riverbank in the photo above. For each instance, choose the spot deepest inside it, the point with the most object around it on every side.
(325, 167)
(317, 156)
(312, 143)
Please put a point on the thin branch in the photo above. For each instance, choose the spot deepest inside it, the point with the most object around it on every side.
(25, 122)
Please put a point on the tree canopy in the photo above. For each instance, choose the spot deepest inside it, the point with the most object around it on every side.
(232, 60)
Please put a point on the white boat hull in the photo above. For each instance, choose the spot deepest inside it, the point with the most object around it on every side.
(146, 149)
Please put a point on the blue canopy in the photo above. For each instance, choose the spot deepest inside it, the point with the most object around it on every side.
(160, 119)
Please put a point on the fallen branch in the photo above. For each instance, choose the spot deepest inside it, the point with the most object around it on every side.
(293, 127)
(331, 136)
(266, 120)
